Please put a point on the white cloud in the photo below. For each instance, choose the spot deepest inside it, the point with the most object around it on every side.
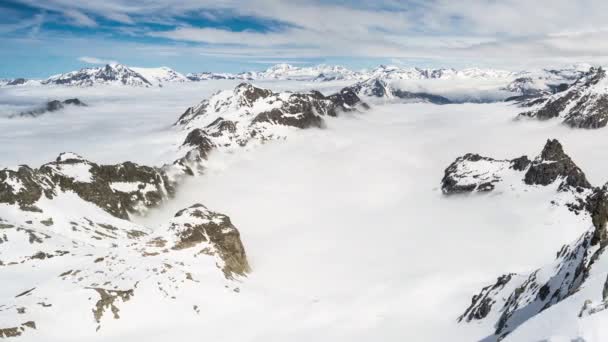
(94, 60)
(479, 31)
(79, 18)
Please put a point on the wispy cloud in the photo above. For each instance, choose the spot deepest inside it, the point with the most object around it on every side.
(79, 18)
(94, 60)
(33, 25)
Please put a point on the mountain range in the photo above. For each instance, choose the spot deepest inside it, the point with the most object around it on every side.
(384, 82)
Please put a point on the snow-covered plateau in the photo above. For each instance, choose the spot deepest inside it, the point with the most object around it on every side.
(385, 206)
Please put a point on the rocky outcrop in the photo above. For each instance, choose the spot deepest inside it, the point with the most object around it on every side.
(582, 105)
(51, 106)
(552, 164)
(18, 330)
(473, 172)
(196, 226)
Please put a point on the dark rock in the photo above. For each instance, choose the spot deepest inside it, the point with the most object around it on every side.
(552, 164)
(423, 97)
(481, 304)
(17, 81)
(198, 138)
(521, 163)
(597, 206)
(52, 106)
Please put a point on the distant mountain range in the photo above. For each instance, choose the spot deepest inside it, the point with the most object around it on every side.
(120, 74)
(387, 82)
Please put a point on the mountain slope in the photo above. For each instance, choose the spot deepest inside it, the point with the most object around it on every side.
(161, 75)
(68, 221)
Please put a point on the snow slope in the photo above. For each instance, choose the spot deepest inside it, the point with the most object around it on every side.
(161, 75)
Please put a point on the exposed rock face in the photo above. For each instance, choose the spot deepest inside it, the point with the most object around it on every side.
(197, 225)
(473, 172)
(583, 105)
(248, 113)
(52, 106)
(17, 331)
(552, 164)
(110, 74)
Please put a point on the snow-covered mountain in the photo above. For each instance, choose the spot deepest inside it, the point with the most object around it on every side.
(572, 287)
(584, 104)
(531, 84)
(66, 224)
(318, 73)
(70, 220)
(391, 72)
(18, 82)
(206, 76)
(110, 74)
(161, 75)
(438, 86)
(381, 88)
(233, 118)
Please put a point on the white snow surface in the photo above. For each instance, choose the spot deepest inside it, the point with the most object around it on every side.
(161, 75)
(346, 229)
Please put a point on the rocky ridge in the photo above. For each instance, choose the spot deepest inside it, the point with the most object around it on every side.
(246, 114)
(475, 173)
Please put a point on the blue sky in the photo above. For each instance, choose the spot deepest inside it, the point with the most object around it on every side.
(39, 38)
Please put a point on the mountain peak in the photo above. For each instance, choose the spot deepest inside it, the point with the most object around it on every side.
(552, 151)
